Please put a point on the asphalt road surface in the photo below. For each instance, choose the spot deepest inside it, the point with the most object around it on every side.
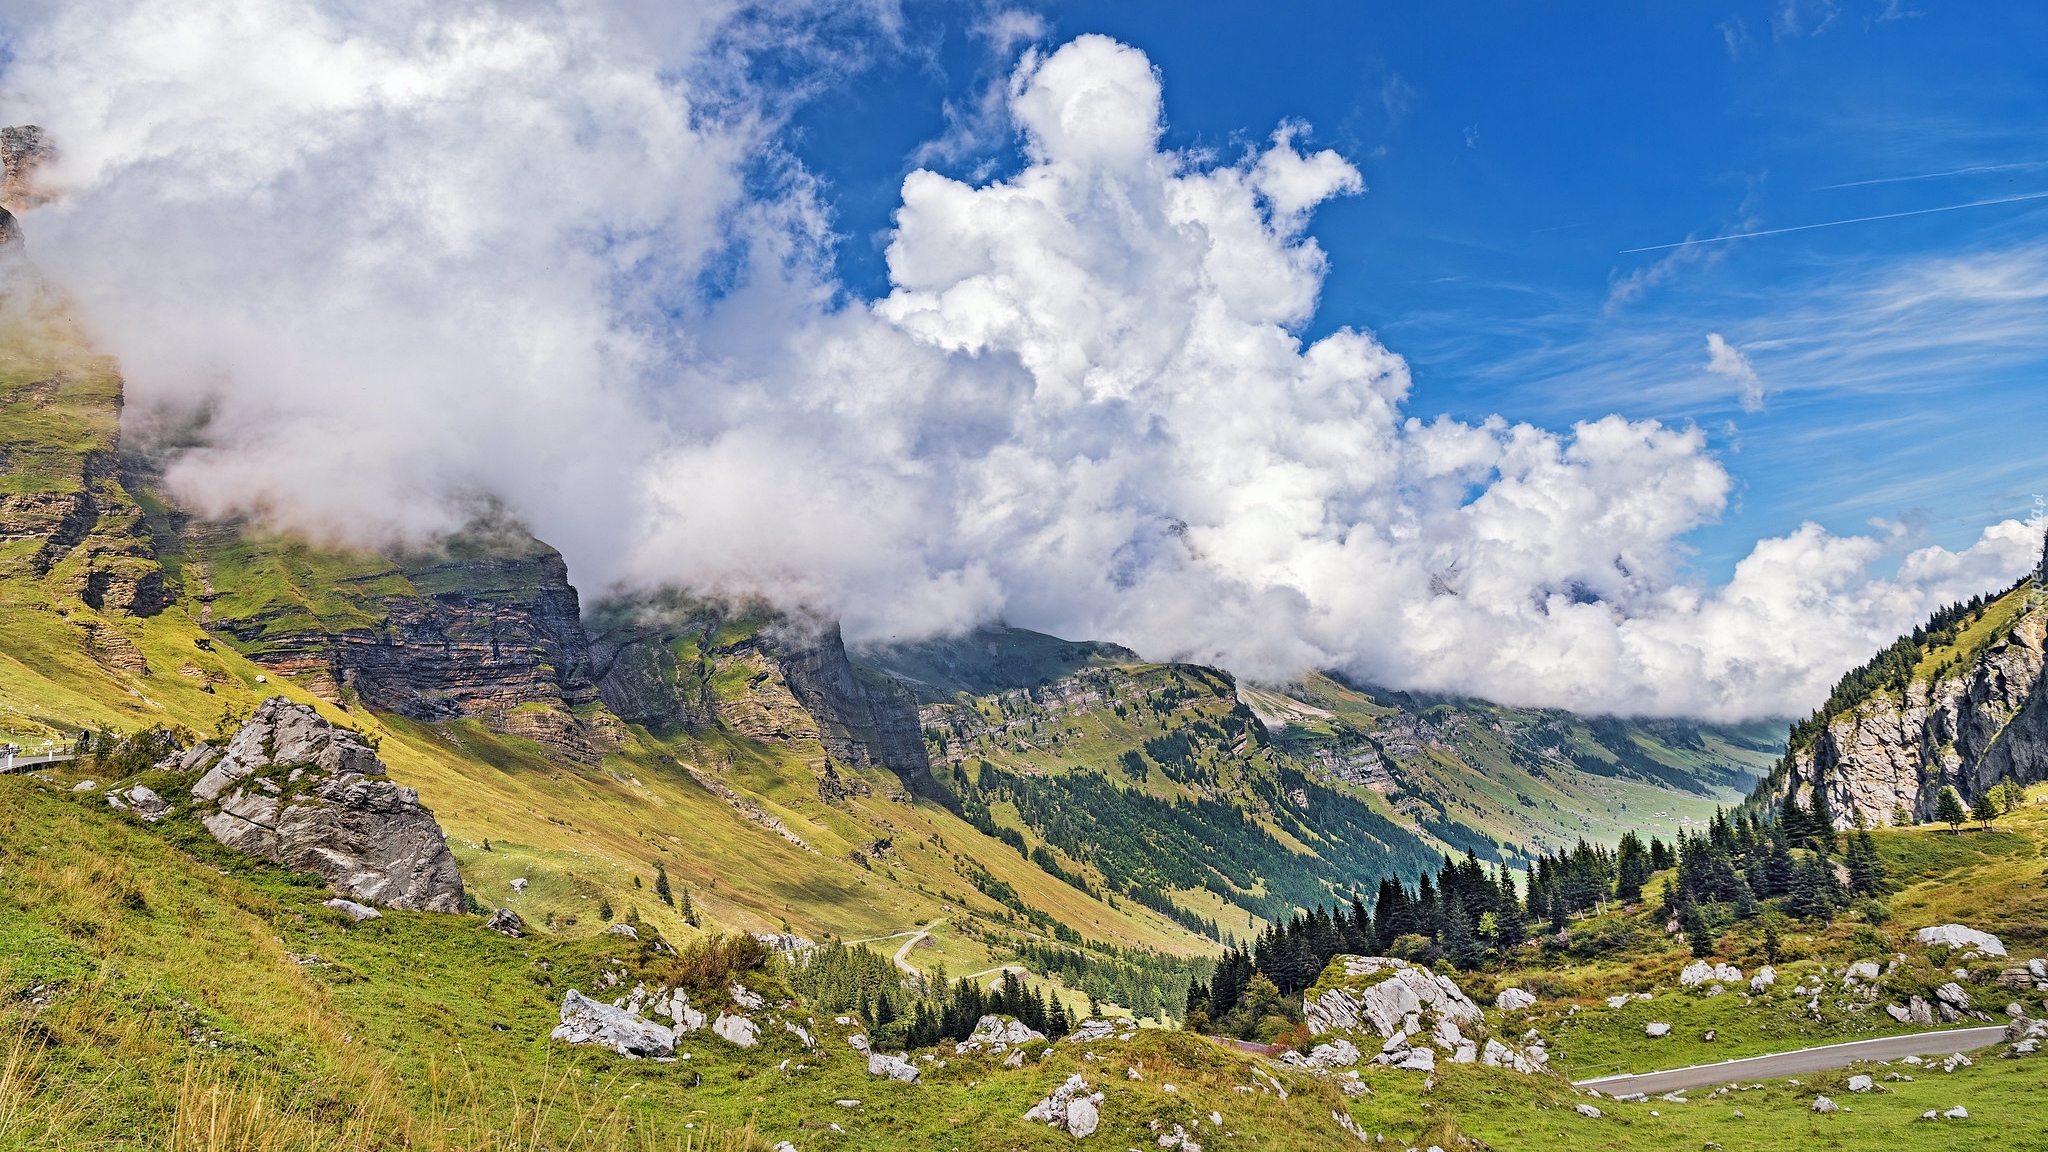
(1804, 1060)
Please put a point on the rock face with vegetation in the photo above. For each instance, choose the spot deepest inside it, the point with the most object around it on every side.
(1960, 703)
(681, 664)
(293, 789)
(483, 624)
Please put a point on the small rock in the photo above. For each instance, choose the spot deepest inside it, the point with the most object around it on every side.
(1896, 1012)
(506, 922)
(1764, 978)
(1654, 1030)
(1588, 1111)
(626, 930)
(1956, 1113)
(1617, 1001)
(587, 1021)
(847, 1103)
(1082, 1118)
(1823, 1104)
(1514, 999)
(858, 1042)
(1958, 1060)
(1957, 936)
(1861, 1083)
(85, 786)
(737, 1030)
(519, 883)
(1930, 1114)
(352, 910)
(894, 1067)
(140, 800)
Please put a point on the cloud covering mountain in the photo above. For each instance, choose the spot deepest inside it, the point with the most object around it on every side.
(407, 258)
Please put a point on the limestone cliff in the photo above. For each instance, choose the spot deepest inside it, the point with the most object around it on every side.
(677, 663)
(1976, 717)
(483, 624)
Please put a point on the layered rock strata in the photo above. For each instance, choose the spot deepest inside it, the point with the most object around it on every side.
(293, 789)
(1894, 752)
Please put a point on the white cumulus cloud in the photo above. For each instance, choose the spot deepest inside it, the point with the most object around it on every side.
(462, 250)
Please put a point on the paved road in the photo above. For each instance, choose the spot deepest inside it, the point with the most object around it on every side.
(903, 953)
(1804, 1060)
(17, 763)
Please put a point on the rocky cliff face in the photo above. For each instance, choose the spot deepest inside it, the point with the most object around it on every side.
(64, 516)
(1985, 721)
(292, 788)
(484, 625)
(683, 664)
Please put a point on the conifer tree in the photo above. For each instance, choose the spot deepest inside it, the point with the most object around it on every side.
(1948, 808)
(661, 887)
(604, 909)
(1984, 809)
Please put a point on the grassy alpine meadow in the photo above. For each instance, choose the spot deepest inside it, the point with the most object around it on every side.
(162, 992)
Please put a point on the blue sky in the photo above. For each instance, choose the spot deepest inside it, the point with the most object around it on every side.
(1085, 377)
(1514, 152)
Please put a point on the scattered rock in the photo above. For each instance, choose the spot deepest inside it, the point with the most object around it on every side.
(1339, 1053)
(1918, 1011)
(626, 930)
(1072, 1102)
(1618, 1001)
(1655, 1030)
(587, 1021)
(858, 1042)
(1499, 1055)
(506, 922)
(1958, 936)
(999, 1034)
(1958, 1060)
(140, 800)
(1700, 972)
(1930, 1114)
(1514, 999)
(785, 942)
(1956, 1113)
(519, 883)
(894, 1067)
(1588, 1111)
(1861, 1083)
(1823, 1104)
(847, 1103)
(85, 786)
(1764, 978)
(1952, 994)
(744, 998)
(1082, 1118)
(336, 817)
(1896, 1012)
(352, 910)
(738, 1030)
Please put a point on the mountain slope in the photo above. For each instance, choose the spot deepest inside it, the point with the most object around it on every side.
(1961, 702)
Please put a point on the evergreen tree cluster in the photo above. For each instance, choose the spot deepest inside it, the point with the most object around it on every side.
(952, 1011)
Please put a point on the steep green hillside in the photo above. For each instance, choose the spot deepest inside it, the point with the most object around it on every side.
(159, 991)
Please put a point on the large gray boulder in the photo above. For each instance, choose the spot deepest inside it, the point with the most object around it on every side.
(1383, 994)
(293, 789)
(587, 1021)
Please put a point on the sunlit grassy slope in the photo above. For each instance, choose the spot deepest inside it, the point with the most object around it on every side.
(158, 987)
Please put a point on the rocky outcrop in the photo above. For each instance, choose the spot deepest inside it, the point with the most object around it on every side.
(1969, 728)
(484, 624)
(587, 1021)
(671, 662)
(293, 789)
(1395, 1003)
(64, 516)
